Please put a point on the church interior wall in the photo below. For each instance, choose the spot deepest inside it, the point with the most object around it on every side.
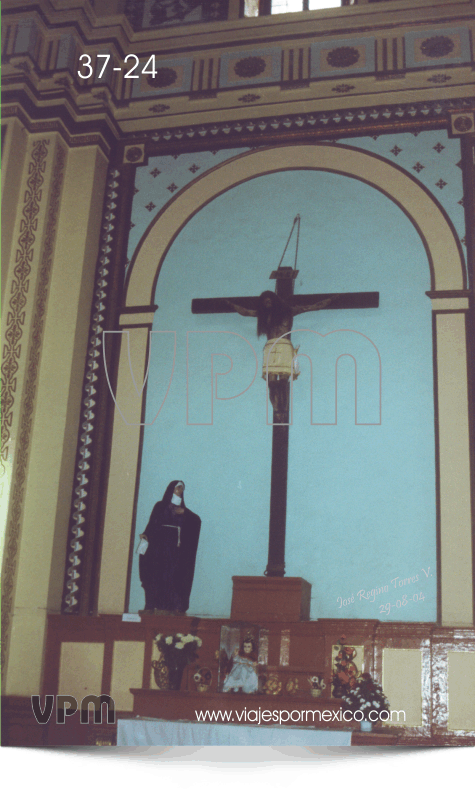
(406, 114)
(315, 510)
(140, 290)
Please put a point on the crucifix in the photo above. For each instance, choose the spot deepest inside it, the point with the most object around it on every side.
(274, 312)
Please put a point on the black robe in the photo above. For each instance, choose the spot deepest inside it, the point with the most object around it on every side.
(166, 568)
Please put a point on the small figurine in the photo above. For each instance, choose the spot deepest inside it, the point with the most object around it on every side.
(242, 669)
(345, 672)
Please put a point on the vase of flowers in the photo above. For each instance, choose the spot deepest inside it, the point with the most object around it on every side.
(317, 685)
(160, 673)
(366, 726)
(367, 697)
(176, 651)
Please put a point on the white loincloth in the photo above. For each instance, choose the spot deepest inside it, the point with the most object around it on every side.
(279, 358)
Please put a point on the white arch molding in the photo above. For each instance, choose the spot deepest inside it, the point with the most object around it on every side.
(437, 234)
(447, 274)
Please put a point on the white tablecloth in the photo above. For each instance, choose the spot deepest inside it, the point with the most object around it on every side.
(151, 732)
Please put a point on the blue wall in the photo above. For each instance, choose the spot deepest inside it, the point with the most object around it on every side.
(361, 499)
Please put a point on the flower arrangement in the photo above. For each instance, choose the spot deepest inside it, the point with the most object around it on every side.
(367, 696)
(202, 678)
(317, 682)
(317, 685)
(179, 649)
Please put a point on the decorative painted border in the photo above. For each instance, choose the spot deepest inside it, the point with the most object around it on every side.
(328, 124)
(410, 44)
(342, 44)
(34, 358)
(184, 86)
(75, 543)
(272, 53)
(20, 285)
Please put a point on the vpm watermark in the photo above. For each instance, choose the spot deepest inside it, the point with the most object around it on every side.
(67, 705)
(351, 343)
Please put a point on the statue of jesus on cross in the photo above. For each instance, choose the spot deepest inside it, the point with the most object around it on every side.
(275, 312)
(274, 320)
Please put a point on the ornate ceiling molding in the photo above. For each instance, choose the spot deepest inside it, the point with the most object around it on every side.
(322, 125)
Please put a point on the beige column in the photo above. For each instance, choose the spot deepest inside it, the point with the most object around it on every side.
(453, 461)
(125, 457)
(28, 173)
(51, 412)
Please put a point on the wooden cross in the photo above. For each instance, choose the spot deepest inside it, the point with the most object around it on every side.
(284, 277)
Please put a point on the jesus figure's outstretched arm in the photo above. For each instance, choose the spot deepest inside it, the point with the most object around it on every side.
(245, 312)
(313, 307)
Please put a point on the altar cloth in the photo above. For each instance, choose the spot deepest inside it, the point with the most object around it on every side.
(151, 732)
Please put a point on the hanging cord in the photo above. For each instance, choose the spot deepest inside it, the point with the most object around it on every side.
(297, 245)
(296, 221)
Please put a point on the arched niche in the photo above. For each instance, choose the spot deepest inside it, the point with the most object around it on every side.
(432, 223)
(449, 304)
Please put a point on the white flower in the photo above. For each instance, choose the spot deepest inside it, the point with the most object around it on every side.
(199, 642)
(188, 638)
(158, 637)
(179, 645)
(169, 640)
(178, 634)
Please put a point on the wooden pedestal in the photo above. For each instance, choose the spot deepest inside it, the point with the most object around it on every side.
(269, 599)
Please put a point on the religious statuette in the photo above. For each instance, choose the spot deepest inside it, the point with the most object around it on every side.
(167, 565)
